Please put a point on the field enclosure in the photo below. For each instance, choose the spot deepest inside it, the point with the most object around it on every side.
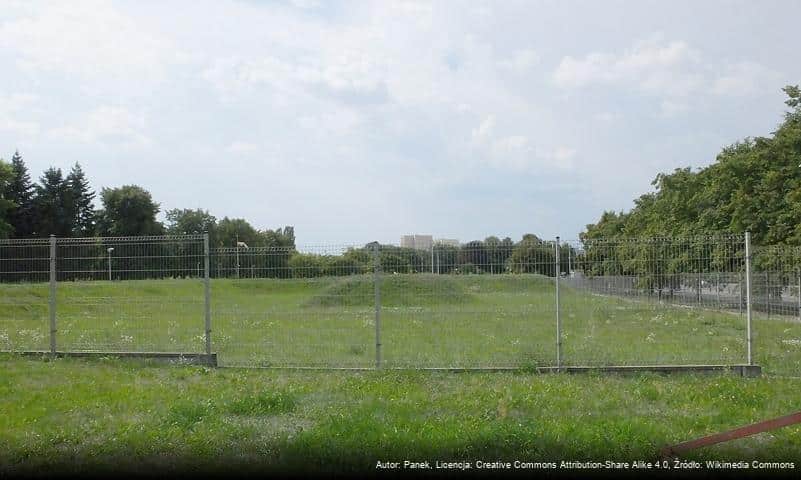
(531, 304)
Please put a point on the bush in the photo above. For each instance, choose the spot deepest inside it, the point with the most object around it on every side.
(306, 265)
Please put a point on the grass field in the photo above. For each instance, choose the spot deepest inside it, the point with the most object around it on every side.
(72, 415)
(426, 321)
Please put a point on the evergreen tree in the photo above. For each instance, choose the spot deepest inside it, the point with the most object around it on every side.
(6, 205)
(80, 208)
(51, 205)
(20, 190)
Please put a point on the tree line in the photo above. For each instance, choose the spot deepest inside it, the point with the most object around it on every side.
(754, 185)
(63, 205)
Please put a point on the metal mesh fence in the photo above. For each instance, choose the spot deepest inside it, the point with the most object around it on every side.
(649, 301)
(25, 294)
(133, 294)
(655, 301)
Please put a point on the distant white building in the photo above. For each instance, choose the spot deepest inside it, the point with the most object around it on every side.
(451, 242)
(425, 242)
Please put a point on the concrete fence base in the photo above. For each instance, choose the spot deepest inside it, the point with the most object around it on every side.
(165, 357)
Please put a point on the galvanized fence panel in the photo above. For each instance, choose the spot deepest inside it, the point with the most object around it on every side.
(492, 304)
(477, 306)
(140, 294)
(24, 294)
(275, 307)
(655, 301)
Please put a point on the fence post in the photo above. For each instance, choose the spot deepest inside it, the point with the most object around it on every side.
(799, 294)
(740, 285)
(749, 338)
(767, 293)
(377, 290)
(52, 300)
(558, 319)
(207, 291)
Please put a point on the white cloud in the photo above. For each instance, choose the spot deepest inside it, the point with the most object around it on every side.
(86, 38)
(349, 76)
(242, 148)
(517, 152)
(107, 125)
(669, 108)
(649, 65)
(670, 70)
(12, 110)
(521, 61)
(608, 117)
(746, 78)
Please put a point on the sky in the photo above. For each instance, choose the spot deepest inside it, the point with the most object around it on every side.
(362, 121)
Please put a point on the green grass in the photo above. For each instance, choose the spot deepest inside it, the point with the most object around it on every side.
(426, 321)
(72, 415)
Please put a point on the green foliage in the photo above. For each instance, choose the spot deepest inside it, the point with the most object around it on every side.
(307, 265)
(128, 210)
(52, 205)
(754, 185)
(80, 208)
(20, 191)
(532, 255)
(232, 230)
(6, 204)
(186, 221)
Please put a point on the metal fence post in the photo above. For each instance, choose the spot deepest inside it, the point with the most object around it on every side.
(740, 302)
(52, 300)
(558, 319)
(749, 338)
(207, 292)
(799, 294)
(377, 290)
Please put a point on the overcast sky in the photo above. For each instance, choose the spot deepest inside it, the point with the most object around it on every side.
(360, 121)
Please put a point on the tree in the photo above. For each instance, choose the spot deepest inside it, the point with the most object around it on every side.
(754, 185)
(51, 205)
(474, 253)
(279, 237)
(186, 221)
(532, 255)
(231, 230)
(128, 211)
(80, 206)
(20, 191)
(6, 205)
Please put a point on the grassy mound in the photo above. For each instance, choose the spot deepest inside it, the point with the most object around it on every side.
(396, 291)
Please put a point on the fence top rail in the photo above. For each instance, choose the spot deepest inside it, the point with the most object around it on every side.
(144, 238)
(662, 239)
(100, 240)
(25, 241)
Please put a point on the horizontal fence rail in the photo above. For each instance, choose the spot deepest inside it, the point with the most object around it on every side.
(534, 303)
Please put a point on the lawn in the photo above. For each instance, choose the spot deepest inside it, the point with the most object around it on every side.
(73, 415)
(426, 321)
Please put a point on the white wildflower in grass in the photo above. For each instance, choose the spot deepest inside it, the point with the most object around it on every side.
(651, 338)
(796, 342)
(126, 339)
